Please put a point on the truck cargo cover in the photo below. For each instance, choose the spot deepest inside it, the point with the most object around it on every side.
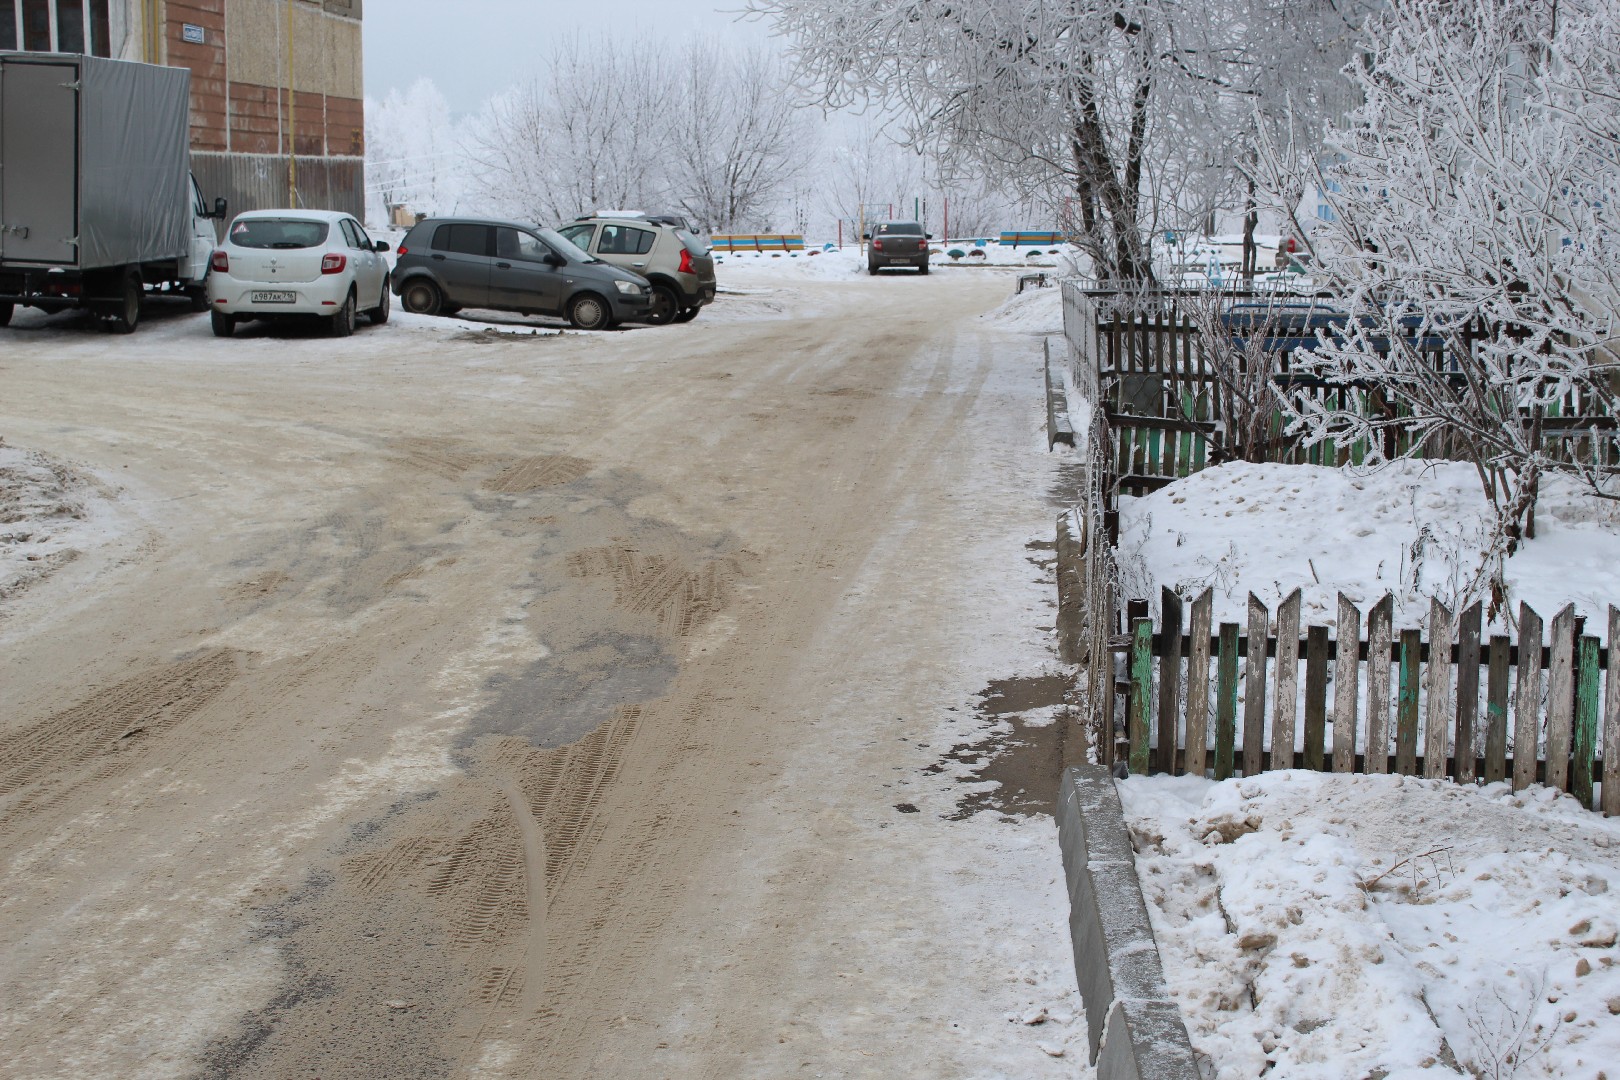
(134, 187)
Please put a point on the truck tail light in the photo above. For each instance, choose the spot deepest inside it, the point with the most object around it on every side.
(686, 263)
(333, 263)
(221, 262)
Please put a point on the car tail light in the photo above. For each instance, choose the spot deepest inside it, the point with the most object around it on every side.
(877, 245)
(686, 263)
(221, 262)
(333, 263)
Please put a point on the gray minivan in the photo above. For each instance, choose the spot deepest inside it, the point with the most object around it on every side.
(446, 264)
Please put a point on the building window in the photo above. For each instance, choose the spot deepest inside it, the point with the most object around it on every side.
(69, 26)
(35, 28)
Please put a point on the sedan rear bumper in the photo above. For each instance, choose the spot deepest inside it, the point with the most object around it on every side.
(229, 296)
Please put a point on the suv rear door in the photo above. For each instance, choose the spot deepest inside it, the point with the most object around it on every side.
(461, 260)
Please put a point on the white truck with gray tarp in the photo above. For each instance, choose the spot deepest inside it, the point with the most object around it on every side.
(97, 201)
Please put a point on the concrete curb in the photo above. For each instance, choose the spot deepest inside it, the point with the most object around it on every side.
(1136, 1029)
(1071, 584)
(1058, 427)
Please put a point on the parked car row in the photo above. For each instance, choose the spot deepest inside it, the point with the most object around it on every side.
(596, 272)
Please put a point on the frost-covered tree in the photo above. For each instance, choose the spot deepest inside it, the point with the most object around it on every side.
(1474, 244)
(591, 133)
(625, 124)
(1110, 112)
(739, 140)
(411, 152)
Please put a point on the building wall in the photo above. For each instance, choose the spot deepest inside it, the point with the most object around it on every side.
(277, 92)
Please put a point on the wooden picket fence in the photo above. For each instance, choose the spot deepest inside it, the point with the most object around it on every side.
(1546, 711)
(1140, 358)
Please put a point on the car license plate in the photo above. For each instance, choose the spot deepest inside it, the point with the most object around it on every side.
(274, 297)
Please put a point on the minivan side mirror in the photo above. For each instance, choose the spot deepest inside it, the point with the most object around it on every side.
(379, 247)
(219, 209)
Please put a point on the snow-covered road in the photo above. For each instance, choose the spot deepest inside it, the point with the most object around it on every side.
(461, 700)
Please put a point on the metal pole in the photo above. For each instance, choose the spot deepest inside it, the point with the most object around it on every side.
(292, 118)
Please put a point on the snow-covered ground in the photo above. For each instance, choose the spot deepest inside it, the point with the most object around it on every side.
(1332, 926)
(1413, 529)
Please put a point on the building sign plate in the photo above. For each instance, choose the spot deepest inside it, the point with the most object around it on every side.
(192, 33)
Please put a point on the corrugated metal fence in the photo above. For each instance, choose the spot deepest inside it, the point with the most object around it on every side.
(259, 181)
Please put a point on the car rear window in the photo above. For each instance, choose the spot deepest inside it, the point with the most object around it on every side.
(278, 233)
(897, 228)
(692, 243)
(462, 239)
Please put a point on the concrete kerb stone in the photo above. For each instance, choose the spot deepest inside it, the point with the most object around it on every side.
(1135, 1028)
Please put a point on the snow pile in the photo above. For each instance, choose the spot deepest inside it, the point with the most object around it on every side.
(44, 517)
(1332, 926)
(1413, 529)
(816, 264)
(1033, 311)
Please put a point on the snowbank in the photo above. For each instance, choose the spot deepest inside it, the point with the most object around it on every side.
(1413, 529)
(1033, 311)
(1332, 926)
(50, 513)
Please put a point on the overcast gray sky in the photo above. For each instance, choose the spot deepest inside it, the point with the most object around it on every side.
(472, 49)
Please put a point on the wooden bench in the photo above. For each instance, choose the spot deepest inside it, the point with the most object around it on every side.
(1030, 239)
(757, 242)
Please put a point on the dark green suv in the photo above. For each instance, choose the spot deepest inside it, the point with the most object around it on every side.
(446, 264)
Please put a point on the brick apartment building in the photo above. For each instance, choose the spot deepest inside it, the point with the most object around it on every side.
(277, 113)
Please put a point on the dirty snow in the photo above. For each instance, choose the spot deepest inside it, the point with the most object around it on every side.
(1001, 877)
(1333, 926)
(50, 513)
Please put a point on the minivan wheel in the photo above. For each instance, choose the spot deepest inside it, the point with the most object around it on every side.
(590, 312)
(422, 297)
(665, 305)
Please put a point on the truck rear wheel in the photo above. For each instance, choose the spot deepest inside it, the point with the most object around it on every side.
(5, 314)
(125, 314)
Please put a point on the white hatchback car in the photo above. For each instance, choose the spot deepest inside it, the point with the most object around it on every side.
(297, 263)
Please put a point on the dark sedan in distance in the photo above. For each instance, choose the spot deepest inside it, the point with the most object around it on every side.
(897, 243)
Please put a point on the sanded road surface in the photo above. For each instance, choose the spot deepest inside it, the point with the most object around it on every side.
(439, 704)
